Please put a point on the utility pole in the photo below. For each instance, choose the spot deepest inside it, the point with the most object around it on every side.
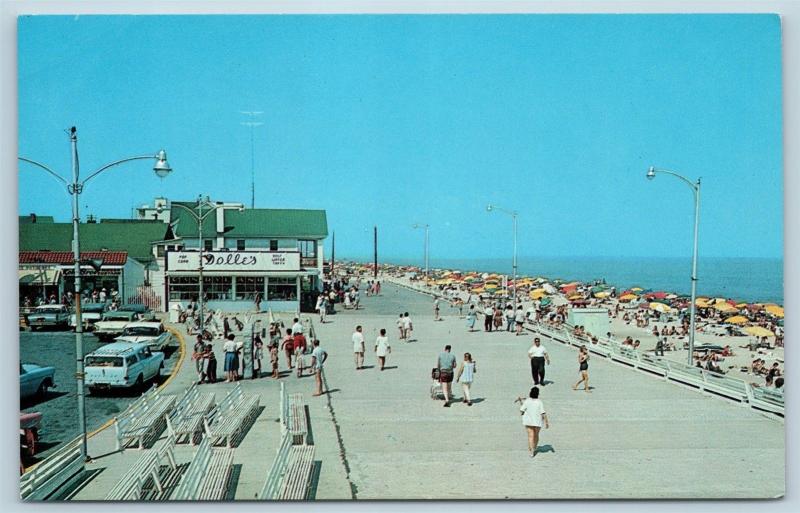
(252, 124)
(333, 253)
(375, 240)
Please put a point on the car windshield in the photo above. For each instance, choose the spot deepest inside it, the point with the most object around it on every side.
(103, 361)
(48, 309)
(140, 331)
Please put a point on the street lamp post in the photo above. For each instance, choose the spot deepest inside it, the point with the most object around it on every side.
(199, 217)
(75, 188)
(695, 186)
(427, 247)
(513, 214)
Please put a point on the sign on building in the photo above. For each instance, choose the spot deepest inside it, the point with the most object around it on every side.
(256, 261)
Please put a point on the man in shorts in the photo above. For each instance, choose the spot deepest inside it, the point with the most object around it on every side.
(318, 358)
(446, 363)
(358, 348)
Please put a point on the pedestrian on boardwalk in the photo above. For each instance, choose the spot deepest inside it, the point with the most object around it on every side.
(377, 288)
(226, 328)
(465, 376)
(210, 364)
(382, 348)
(436, 307)
(583, 368)
(539, 357)
(297, 327)
(488, 317)
(318, 357)
(509, 318)
(401, 327)
(318, 308)
(520, 320)
(533, 416)
(230, 363)
(498, 318)
(408, 326)
(472, 316)
(197, 356)
(288, 347)
(358, 347)
(446, 363)
(258, 354)
(273, 359)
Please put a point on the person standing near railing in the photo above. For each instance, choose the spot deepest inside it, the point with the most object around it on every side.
(583, 368)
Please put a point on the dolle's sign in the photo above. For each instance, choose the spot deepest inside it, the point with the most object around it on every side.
(234, 261)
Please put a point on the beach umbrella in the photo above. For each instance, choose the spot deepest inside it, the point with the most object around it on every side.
(660, 307)
(545, 301)
(549, 288)
(478, 290)
(741, 305)
(736, 319)
(602, 295)
(724, 307)
(537, 294)
(627, 297)
(775, 310)
(573, 297)
(701, 302)
(672, 296)
(758, 331)
(636, 289)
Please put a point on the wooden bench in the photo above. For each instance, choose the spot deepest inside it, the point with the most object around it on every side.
(767, 400)
(225, 422)
(186, 420)
(143, 421)
(146, 470)
(290, 474)
(208, 475)
(52, 473)
(297, 426)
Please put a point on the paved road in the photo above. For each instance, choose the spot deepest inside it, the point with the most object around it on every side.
(60, 421)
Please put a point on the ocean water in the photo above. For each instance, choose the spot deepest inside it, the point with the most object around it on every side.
(746, 279)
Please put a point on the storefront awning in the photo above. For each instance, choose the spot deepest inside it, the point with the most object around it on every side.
(47, 276)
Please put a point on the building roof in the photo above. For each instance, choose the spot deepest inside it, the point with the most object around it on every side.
(33, 218)
(65, 257)
(258, 223)
(135, 238)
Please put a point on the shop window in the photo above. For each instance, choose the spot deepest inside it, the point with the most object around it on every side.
(218, 288)
(273, 245)
(183, 288)
(282, 289)
(159, 251)
(307, 248)
(247, 287)
(208, 244)
(240, 244)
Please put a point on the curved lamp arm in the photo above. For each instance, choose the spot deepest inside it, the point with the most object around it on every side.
(50, 171)
(116, 162)
(196, 217)
(512, 213)
(653, 170)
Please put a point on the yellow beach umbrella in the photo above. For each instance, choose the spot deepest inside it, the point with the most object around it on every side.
(627, 297)
(737, 319)
(701, 302)
(574, 296)
(660, 307)
(602, 295)
(637, 289)
(724, 307)
(775, 310)
(741, 305)
(758, 331)
(478, 290)
(537, 294)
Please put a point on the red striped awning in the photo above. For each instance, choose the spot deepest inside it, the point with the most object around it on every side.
(65, 257)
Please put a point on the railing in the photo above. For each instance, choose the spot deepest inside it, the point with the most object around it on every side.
(701, 379)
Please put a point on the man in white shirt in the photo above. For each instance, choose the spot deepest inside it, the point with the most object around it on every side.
(407, 326)
(436, 307)
(538, 356)
(318, 358)
(297, 328)
(358, 348)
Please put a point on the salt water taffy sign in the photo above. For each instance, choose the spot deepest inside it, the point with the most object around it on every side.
(234, 261)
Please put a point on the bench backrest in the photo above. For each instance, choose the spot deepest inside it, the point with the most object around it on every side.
(190, 483)
(53, 472)
(277, 470)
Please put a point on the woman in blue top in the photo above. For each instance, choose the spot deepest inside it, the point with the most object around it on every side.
(466, 374)
(472, 316)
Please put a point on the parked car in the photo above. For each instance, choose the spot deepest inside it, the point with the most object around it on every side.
(34, 380)
(151, 333)
(90, 314)
(29, 425)
(122, 365)
(49, 316)
(112, 324)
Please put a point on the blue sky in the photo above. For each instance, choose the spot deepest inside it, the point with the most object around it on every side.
(396, 120)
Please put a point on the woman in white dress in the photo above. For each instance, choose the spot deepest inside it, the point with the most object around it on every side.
(382, 348)
(465, 376)
(533, 415)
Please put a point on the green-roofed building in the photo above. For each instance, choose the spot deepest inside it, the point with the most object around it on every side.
(125, 248)
(271, 255)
